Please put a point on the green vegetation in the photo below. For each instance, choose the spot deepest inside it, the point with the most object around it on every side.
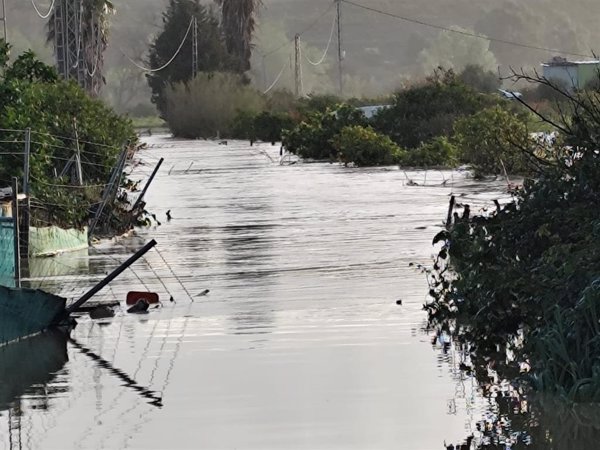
(493, 140)
(213, 55)
(148, 122)
(439, 152)
(238, 23)
(207, 105)
(525, 278)
(457, 51)
(429, 110)
(439, 123)
(362, 146)
(315, 136)
(32, 96)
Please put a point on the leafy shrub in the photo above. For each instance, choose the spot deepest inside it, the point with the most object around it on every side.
(314, 137)
(363, 146)
(421, 113)
(439, 152)
(493, 140)
(480, 79)
(319, 103)
(525, 276)
(32, 96)
(270, 126)
(207, 105)
(212, 50)
(242, 126)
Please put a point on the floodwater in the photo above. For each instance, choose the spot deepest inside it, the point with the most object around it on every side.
(298, 345)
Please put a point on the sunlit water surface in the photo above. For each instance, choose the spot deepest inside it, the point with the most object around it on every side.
(298, 345)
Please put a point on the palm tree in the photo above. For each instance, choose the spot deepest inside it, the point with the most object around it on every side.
(238, 22)
(78, 30)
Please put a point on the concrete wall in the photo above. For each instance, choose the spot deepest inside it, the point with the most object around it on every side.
(575, 76)
(568, 75)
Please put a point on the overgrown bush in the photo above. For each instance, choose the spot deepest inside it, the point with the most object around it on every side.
(439, 152)
(270, 126)
(524, 277)
(493, 141)
(32, 96)
(362, 146)
(481, 80)
(242, 126)
(314, 137)
(207, 105)
(264, 126)
(420, 113)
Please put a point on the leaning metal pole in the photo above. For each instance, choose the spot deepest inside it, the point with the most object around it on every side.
(114, 274)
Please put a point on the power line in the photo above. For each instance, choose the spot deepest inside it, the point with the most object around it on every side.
(146, 69)
(326, 48)
(305, 30)
(464, 33)
(39, 13)
(276, 79)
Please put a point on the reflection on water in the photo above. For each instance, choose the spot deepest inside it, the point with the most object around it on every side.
(299, 344)
(28, 367)
(513, 420)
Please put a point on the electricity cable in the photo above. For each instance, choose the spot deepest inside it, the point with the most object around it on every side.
(39, 13)
(305, 30)
(464, 33)
(276, 79)
(146, 69)
(326, 48)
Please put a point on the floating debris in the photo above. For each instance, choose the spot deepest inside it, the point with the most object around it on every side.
(141, 307)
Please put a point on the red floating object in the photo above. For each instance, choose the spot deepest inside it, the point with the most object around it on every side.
(150, 297)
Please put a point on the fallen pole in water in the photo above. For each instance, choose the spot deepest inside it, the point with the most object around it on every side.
(115, 273)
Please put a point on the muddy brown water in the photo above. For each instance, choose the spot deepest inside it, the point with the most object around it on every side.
(298, 345)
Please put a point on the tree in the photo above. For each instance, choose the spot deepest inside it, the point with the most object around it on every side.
(207, 105)
(493, 141)
(455, 51)
(33, 96)
(363, 146)
(314, 137)
(177, 24)
(238, 22)
(90, 38)
(423, 112)
(479, 79)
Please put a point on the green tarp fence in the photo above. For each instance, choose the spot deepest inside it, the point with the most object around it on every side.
(7, 252)
(50, 241)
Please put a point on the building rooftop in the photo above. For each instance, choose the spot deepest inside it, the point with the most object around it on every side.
(559, 61)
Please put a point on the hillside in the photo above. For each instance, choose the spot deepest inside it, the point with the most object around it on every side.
(381, 52)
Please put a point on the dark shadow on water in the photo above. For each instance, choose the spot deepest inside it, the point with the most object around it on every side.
(28, 367)
(152, 397)
(513, 418)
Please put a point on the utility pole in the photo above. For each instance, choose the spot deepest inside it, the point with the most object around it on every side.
(297, 65)
(68, 42)
(78, 169)
(26, 218)
(4, 20)
(339, 42)
(195, 49)
(15, 214)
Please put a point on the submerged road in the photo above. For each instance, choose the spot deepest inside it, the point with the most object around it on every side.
(298, 345)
